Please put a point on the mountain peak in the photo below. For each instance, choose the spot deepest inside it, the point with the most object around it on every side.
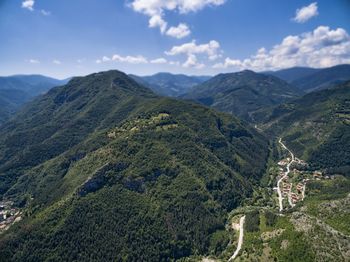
(247, 71)
(106, 81)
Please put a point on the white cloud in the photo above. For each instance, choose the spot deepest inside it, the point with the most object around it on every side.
(159, 61)
(186, 6)
(323, 47)
(192, 61)
(105, 59)
(228, 63)
(305, 13)
(130, 59)
(34, 61)
(123, 59)
(211, 49)
(56, 62)
(28, 4)
(157, 21)
(179, 32)
(44, 12)
(155, 9)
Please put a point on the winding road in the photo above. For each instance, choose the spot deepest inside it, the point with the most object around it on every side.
(240, 238)
(280, 198)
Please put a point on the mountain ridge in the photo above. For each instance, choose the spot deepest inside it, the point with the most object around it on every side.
(242, 93)
(313, 79)
(294, 73)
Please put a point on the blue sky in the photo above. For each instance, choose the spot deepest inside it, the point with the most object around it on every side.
(61, 38)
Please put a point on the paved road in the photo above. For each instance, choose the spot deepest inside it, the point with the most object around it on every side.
(240, 239)
(280, 198)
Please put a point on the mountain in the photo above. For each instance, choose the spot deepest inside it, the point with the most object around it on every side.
(291, 74)
(10, 101)
(167, 84)
(323, 78)
(242, 93)
(316, 126)
(104, 169)
(19, 89)
(33, 85)
(312, 79)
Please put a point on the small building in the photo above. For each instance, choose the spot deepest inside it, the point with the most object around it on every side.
(300, 187)
(283, 162)
(317, 174)
(294, 197)
(285, 192)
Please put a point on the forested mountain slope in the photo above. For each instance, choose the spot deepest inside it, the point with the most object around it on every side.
(242, 93)
(104, 169)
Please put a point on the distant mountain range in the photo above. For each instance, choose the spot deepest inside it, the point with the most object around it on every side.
(169, 84)
(311, 79)
(19, 89)
(303, 79)
(242, 93)
(10, 101)
(292, 74)
(33, 85)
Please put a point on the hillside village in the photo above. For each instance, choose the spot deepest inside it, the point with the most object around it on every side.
(293, 185)
(159, 122)
(8, 215)
(295, 177)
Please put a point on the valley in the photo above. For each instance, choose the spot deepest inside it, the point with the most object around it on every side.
(285, 179)
(279, 221)
(284, 227)
(173, 178)
(174, 131)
